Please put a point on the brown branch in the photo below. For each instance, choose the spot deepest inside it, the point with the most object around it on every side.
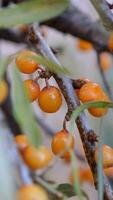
(65, 84)
(78, 24)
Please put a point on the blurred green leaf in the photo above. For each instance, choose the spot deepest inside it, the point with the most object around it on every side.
(100, 165)
(31, 11)
(76, 185)
(68, 190)
(53, 67)
(4, 62)
(22, 110)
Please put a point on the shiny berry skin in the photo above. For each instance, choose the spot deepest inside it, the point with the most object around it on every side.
(105, 61)
(32, 89)
(60, 142)
(93, 92)
(25, 64)
(31, 192)
(107, 153)
(50, 99)
(37, 158)
(109, 172)
(84, 45)
(21, 142)
(3, 91)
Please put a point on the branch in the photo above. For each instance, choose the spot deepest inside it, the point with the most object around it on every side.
(104, 12)
(65, 84)
(78, 24)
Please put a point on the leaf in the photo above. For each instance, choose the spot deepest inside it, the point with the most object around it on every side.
(76, 185)
(4, 62)
(67, 189)
(50, 64)
(31, 11)
(22, 110)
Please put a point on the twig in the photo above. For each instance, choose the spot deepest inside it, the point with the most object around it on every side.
(78, 24)
(105, 14)
(47, 186)
(106, 84)
(65, 84)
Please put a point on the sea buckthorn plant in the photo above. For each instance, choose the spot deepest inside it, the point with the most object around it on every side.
(48, 111)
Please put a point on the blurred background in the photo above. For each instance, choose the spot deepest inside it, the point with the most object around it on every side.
(82, 64)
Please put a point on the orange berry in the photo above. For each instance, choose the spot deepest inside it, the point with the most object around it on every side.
(110, 42)
(31, 192)
(107, 153)
(50, 99)
(3, 91)
(93, 92)
(60, 142)
(37, 158)
(26, 64)
(84, 45)
(22, 142)
(32, 88)
(109, 172)
(105, 61)
(85, 175)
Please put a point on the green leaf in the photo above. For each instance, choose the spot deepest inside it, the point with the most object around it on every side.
(53, 67)
(22, 110)
(4, 62)
(66, 189)
(76, 185)
(31, 11)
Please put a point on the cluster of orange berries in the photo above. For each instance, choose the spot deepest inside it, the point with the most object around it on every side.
(91, 92)
(49, 98)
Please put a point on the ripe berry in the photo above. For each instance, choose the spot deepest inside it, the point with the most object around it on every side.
(3, 91)
(84, 45)
(50, 99)
(105, 61)
(31, 192)
(110, 42)
(32, 88)
(109, 172)
(26, 64)
(37, 158)
(22, 142)
(60, 142)
(85, 175)
(107, 153)
(93, 92)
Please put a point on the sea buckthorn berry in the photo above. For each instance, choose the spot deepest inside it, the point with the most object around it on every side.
(37, 158)
(32, 88)
(3, 91)
(107, 153)
(31, 192)
(110, 42)
(109, 172)
(85, 175)
(93, 92)
(60, 142)
(84, 45)
(50, 99)
(105, 61)
(25, 64)
(22, 142)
